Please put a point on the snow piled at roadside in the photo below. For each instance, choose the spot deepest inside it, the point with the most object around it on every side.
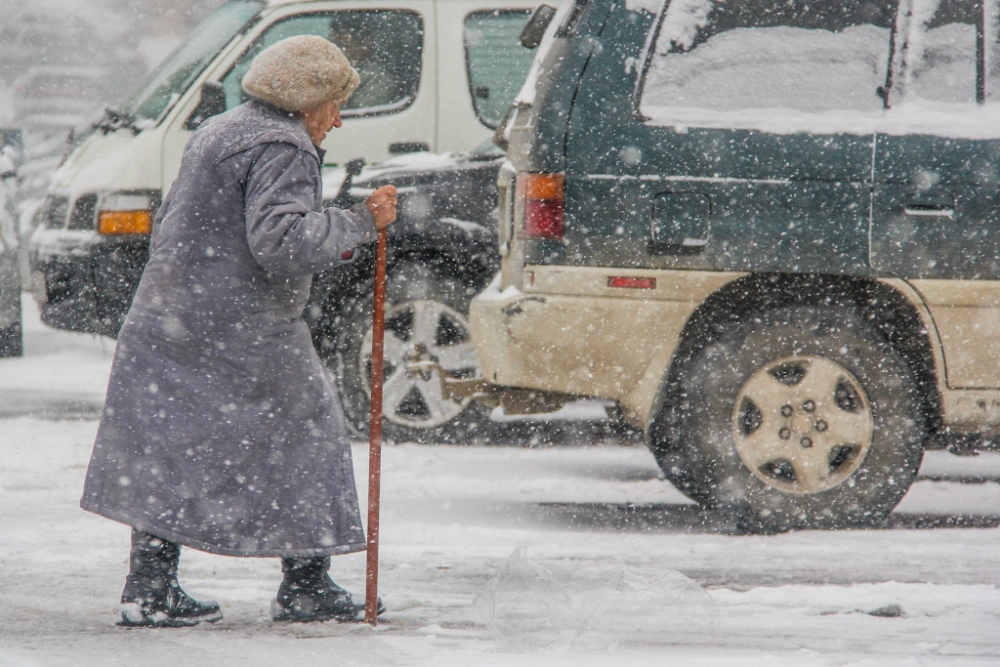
(529, 605)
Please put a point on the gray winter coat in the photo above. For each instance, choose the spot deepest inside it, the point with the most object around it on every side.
(222, 430)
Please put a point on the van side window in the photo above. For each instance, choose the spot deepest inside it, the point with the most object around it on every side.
(171, 78)
(769, 54)
(385, 46)
(496, 62)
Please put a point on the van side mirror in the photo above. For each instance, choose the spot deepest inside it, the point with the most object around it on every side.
(213, 102)
(534, 30)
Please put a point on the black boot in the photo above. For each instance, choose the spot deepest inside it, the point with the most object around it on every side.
(152, 596)
(308, 594)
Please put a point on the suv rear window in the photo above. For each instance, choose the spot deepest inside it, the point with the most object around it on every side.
(496, 62)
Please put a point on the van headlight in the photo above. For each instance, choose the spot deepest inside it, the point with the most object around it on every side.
(125, 213)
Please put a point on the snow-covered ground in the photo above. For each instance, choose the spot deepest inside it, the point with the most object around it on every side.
(557, 556)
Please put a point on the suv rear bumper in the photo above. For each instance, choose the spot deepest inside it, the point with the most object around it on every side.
(531, 340)
(574, 330)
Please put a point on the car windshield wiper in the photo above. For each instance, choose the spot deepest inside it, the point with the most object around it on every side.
(115, 119)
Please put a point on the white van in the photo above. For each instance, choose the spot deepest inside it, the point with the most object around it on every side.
(436, 75)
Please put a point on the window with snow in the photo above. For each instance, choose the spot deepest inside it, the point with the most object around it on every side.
(711, 56)
(943, 55)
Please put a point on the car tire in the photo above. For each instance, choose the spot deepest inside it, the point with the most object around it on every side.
(802, 417)
(423, 305)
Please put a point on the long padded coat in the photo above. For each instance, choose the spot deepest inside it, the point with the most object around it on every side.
(222, 430)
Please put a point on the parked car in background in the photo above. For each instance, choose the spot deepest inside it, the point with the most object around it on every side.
(10, 281)
(770, 232)
(437, 76)
(441, 251)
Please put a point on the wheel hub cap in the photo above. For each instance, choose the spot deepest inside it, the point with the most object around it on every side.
(802, 424)
(421, 330)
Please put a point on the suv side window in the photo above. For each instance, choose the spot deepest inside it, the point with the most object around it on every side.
(939, 55)
(385, 46)
(497, 64)
(766, 54)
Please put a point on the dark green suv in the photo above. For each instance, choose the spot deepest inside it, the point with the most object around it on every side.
(769, 230)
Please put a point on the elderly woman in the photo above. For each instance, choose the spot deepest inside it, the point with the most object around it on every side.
(222, 430)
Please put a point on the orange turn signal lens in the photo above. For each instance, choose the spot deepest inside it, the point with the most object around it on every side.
(125, 222)
(541, 186)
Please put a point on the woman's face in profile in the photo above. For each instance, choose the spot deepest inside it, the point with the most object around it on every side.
(321, 119)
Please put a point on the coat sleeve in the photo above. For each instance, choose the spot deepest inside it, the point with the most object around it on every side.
(287, 235)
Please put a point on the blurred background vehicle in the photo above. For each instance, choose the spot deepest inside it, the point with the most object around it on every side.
(442, 251)
(10, 281)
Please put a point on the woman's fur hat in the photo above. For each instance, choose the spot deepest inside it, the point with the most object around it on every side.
(299, 73)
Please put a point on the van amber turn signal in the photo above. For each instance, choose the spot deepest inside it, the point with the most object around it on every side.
(125, 222)
(543, 196)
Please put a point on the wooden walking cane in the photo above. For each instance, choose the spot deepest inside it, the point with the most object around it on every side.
(375, 438)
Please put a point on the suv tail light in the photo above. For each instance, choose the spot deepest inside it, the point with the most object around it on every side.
(543, 196)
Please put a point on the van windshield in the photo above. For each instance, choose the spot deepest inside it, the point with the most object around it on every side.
(175, 74)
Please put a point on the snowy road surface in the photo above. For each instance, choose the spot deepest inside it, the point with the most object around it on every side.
(564, 555)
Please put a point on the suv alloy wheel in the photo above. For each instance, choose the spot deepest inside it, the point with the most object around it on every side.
(803, 417)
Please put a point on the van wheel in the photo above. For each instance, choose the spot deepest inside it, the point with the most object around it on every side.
(426, 315)
(801, 418)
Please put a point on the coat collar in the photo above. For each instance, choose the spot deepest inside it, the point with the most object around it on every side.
(255, 123)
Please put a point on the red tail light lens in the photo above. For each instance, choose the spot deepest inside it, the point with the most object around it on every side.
(543, 196)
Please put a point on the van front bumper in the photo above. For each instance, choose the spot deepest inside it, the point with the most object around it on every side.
(83, 281)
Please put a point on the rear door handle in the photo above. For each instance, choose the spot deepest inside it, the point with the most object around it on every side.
(918, 211)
